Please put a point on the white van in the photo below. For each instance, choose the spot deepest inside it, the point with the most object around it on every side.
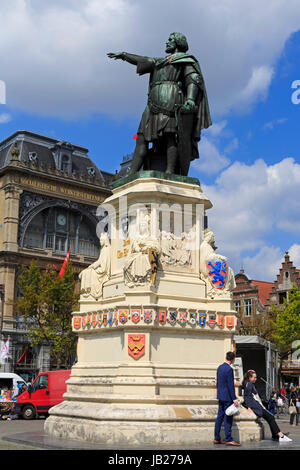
(10, 381)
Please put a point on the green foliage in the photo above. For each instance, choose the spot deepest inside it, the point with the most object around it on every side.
(47, 303)
(288, 319)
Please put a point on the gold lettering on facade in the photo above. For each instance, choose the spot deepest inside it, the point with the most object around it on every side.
(61, 189)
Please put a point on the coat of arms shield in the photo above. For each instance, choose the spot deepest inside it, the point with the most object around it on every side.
(217, 271)
(136, 345)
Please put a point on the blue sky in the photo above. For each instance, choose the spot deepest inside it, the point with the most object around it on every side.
(249, 159)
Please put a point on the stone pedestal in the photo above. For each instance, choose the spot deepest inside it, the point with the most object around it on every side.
(150, 343)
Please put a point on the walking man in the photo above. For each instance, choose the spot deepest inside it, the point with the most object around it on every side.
(226, 396)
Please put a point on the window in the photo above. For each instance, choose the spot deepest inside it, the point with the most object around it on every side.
(237, 306)
(43, 383)
(33, 157)
(58, 229)
(248, 303)
(60, 244)
(281, 297)
(40, 384)
(91, 171)
(64, 163)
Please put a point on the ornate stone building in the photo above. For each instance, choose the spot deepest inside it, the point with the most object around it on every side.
(49, 194)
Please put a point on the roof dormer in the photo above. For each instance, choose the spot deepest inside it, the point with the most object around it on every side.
(63, 152)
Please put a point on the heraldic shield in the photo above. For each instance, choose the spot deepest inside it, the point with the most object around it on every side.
(136, 345)
(217, 271)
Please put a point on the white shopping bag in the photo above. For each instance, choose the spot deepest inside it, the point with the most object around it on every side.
(232, 409)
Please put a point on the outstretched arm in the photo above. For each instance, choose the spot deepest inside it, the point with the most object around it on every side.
(131, 58)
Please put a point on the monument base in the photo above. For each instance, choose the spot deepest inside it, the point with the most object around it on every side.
(150, 340)
(138, 426)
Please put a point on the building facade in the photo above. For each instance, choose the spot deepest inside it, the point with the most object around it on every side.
(49, 194)
(251, 298)
(288, 276)
(253, 301)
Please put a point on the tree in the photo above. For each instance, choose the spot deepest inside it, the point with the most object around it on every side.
(47, 302)
(287, 325)
(288, 319)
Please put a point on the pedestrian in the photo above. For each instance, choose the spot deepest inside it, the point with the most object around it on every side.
(280, 405)
(226, 396)
(282, 392)
(294, 398)
(254, 404)
(272, 403)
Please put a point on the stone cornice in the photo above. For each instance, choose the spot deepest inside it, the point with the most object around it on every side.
(55, 176)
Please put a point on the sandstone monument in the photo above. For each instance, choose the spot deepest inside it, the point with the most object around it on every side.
(156, 316)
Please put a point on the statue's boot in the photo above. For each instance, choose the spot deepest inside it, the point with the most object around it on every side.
(171, 161)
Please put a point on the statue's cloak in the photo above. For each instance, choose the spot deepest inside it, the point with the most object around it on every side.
(195, 122)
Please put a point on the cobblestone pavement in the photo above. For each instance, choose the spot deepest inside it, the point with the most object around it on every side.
(29, 435)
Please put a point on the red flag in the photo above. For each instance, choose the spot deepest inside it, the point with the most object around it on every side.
(63, 268)
(24, 354)
(135, 137)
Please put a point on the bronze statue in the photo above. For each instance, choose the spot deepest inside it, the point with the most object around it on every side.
(176, 112)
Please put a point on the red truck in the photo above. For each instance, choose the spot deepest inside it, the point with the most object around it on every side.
(45, 391)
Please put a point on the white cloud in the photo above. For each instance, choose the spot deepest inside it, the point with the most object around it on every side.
(233, 145)
(265, 264)
(53, 58)
(294, 252)
(211, 161)
(271, 124)
(4, 118)
(250, 203)
(257, 86)
(216, 128)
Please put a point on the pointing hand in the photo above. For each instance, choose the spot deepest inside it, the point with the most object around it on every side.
(115, 55)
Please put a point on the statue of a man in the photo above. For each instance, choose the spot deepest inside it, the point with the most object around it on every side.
(176, 111)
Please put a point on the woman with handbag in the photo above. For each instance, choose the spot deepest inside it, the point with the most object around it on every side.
(254, 404)
(293, 408)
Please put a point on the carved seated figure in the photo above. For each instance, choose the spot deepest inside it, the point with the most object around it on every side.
(137, 268)
(93, 277)
(214, 269)
(175, 250)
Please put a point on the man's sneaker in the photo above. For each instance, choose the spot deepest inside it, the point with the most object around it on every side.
(285, 439)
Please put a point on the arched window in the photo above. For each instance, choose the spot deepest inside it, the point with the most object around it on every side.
(59, 229)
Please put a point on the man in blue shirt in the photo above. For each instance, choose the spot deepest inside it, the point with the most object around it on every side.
(226, 396)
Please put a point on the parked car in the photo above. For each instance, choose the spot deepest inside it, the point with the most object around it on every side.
(45, 391)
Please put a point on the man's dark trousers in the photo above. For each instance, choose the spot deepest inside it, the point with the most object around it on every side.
(223, 405)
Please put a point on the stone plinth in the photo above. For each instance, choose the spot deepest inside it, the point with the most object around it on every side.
(150, 343)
